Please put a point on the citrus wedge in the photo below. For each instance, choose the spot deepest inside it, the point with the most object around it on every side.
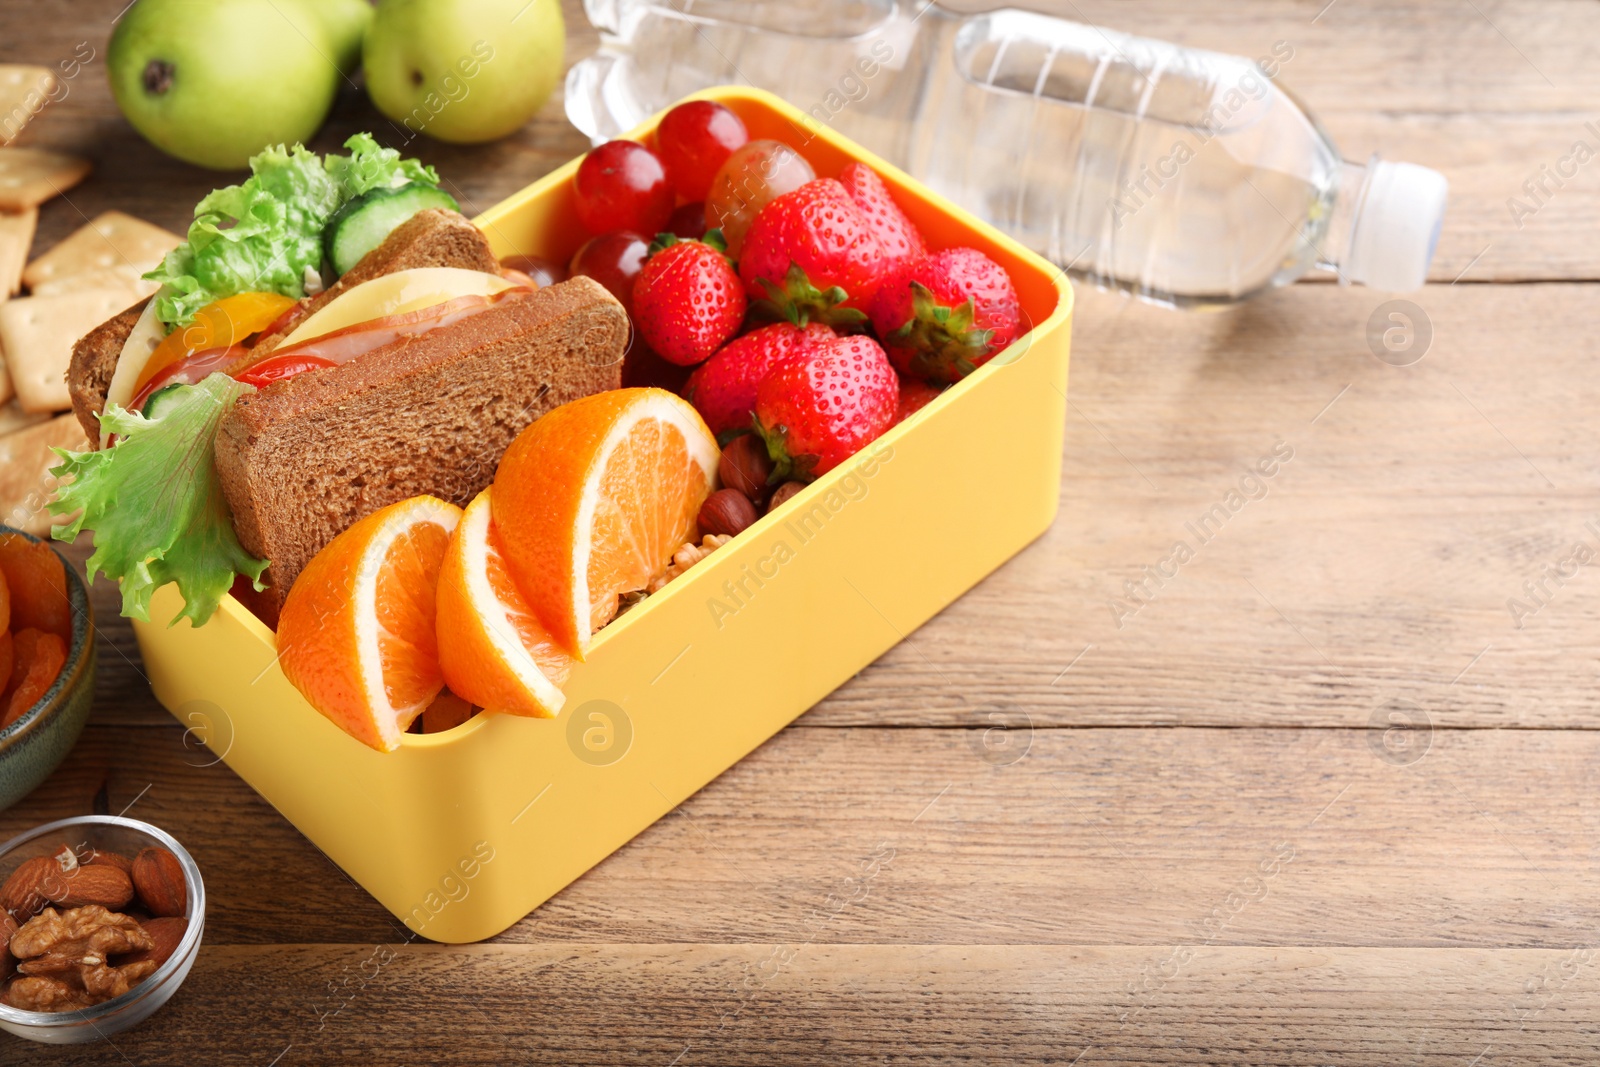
(493, 650)
(357, 632)
(592, 500)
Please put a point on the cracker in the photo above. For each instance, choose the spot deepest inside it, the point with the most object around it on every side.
(30, 176)
(38, 332)
(16, 237)
(111, 240)
(109, 278)
(24, 91)
(12, 417)
(26, 484)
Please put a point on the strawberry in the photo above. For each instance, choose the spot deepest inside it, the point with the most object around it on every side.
(945, 315)
(687, 301)
(902, 241)
(814, 255)
(914, 396)
(723, 388)
(815, 412)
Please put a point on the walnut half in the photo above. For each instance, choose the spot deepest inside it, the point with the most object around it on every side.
(66, 958)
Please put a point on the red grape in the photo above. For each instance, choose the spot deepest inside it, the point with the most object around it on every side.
(622, 186)
(540, 271)
(695, 140)
(753, 177)
(688, 222)
(614, 260)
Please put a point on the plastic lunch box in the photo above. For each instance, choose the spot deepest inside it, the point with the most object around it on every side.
(462, 833)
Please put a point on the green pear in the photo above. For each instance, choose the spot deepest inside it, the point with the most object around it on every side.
(346, 22)
(463, 71)
(213, 82)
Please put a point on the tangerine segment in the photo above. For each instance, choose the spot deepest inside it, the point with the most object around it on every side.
(37, 659)
(592, 500)
(492, 648)
(36, 582)
(357, 632)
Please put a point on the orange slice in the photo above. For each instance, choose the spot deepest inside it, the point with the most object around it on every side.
(357, 631)
(592, 500)
(492, 649)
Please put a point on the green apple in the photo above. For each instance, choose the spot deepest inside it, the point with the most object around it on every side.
(463, 70)
(215, 81)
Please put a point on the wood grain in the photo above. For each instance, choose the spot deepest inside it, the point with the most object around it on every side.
(1324, 798)
(1001, 835)
(653, 1004)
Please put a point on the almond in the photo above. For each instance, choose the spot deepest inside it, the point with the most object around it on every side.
(158, 878)
(166, 932)
(23, 893)
(95, 884)
(94, 857)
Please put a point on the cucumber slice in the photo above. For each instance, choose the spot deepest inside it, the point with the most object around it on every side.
(157, 401)
(363, 223)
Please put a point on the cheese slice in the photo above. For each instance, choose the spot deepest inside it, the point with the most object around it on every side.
(395, 294)
(136, 352)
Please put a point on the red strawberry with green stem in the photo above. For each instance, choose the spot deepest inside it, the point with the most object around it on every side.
(687, 301)
(817, 411)
(902, 241)
(723, 388)
(811, 256)
(945, 315)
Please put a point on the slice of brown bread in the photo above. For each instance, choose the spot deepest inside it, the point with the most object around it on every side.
(94, 360)
(432, 238)
(303, 459)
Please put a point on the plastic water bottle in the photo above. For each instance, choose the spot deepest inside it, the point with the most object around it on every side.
(1187, 177)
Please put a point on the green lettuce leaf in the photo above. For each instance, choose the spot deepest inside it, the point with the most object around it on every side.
(370, 166)
(266, 233)
(155, 503)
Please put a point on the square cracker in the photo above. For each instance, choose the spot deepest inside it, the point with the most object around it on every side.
(30, 176)
(109, 278)
(16, 237)
(111, 240)
(26, 484)
(38, 332)
(24, 91)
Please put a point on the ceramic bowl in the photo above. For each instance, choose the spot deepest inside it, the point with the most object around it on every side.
(35, 744)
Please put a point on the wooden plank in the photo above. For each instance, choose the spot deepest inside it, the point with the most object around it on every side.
(1094, 836)
(601, 1004)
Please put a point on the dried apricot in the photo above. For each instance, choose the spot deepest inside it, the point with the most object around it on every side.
(37, 583)
(7, 651)
(37, 660)
(5, 605)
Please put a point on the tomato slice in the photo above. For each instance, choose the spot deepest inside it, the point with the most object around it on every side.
(220, 324)
(279, 368)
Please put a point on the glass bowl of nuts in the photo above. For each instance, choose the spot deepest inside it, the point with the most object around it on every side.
(101, 919)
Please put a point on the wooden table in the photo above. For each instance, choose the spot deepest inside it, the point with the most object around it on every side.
(1320, 800)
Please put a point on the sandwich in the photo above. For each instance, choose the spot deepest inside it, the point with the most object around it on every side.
(333, 337)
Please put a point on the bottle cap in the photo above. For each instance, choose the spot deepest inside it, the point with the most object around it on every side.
(1397, 226)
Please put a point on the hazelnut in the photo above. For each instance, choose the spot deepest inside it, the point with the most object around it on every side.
(782, 495)
(745, 466)
(727, 511)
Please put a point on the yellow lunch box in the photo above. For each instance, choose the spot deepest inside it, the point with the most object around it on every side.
(462, 833)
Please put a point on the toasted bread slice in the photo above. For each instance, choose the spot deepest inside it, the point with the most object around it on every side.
(432, 238)
(303, 459)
